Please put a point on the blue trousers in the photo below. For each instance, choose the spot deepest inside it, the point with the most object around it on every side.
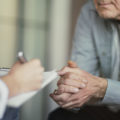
(11, 114)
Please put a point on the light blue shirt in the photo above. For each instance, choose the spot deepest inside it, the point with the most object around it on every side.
(92, 49)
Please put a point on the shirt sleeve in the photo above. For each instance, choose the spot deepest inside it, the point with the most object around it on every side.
(85, 55)
(112, 96)
(3, 97)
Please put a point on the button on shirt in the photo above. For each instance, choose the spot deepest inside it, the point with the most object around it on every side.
(3, 97)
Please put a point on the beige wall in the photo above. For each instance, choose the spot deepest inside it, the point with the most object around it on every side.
(8, 14)
(75, 12)
(76, 6)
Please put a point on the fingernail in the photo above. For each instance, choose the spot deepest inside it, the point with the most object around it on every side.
(83, 85)
(85, 81)
(76, 90)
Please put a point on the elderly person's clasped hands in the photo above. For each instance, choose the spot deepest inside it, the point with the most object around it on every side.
(77, 88)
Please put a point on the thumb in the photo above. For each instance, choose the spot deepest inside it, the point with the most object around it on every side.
(67, 69)
(72, 64)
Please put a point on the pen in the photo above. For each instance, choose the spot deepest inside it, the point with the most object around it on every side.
(21, 57)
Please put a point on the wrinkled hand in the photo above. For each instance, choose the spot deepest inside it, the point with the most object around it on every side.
(65, 87)
(91, 93)
(70, 81)
(24, 77)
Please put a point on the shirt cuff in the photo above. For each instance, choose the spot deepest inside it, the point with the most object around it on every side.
(3, 97)
(112, 96)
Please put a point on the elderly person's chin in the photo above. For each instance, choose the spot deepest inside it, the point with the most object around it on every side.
(109, 15)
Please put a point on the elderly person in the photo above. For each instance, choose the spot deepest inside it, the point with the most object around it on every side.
(20, 79)
(94, 83)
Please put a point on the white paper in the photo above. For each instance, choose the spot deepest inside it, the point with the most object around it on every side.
(19, 100)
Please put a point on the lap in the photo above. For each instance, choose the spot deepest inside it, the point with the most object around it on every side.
(86, 113)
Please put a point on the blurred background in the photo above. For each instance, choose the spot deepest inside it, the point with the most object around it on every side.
(42, 29)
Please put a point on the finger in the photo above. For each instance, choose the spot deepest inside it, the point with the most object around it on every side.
(54, 98)
(67, 89)
(74, 97)
(72, 83)
(58, 102)
(74, 76)
(80, 96)
(74, 107)
(68, 70)
(72, 64)
(78, 104)
(64, 71)
(68, 105)
(61, 98)
(72, 104)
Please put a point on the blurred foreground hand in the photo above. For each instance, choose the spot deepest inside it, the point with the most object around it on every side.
(24, 77)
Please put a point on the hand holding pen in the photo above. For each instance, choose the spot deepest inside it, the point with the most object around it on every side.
(25, 77)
